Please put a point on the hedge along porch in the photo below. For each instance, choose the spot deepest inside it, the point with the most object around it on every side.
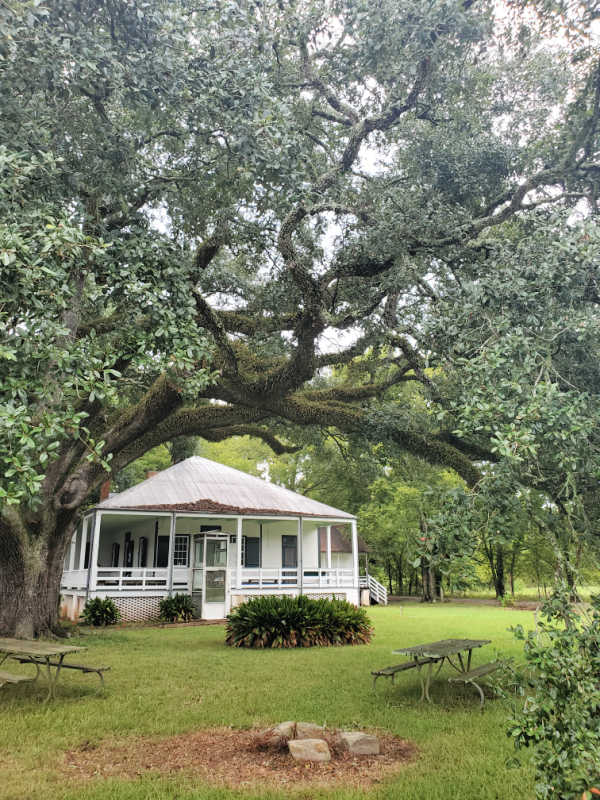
(213, 532)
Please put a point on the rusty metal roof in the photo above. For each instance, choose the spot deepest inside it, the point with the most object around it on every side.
(198, 484)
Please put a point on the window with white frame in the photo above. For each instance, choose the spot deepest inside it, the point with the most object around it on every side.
(181, 553)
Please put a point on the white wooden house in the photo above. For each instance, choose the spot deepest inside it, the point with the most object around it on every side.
(216, 533)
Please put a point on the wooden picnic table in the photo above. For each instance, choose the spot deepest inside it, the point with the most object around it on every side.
(438, 652)
(39, 653)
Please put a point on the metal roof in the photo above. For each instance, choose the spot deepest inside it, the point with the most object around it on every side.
(198, 484)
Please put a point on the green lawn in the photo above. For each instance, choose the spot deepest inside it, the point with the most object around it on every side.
(172, 680)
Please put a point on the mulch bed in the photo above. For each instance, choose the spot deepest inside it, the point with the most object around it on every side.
(234, 758)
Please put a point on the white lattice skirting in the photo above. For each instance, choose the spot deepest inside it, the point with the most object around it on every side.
(137, 609)
(333, 596)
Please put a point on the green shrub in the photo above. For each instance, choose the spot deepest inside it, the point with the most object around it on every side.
(560, 720)
(178, 608)
(100, 611)
(296, 622)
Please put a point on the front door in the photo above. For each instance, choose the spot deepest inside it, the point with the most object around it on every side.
(215, 578)
(209, 576)
(198, 574)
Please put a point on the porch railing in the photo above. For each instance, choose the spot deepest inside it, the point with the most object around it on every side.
(328, 578)
(144, 579)
(74, 579)
(270, 577)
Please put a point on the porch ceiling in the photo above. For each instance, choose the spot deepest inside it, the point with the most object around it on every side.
(114, 523)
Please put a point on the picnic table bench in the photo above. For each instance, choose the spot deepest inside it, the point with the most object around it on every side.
(49, 655)
(390, 672)
(450, 650)
(474, 674)
(8, 677)
(85, 668)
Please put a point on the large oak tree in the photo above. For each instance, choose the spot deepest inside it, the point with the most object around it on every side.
(203, 204)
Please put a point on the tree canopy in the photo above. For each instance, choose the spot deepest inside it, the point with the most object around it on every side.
(205, 205)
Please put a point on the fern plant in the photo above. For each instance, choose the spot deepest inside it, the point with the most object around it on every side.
(296, 622)
(178, 608)
(100, 611)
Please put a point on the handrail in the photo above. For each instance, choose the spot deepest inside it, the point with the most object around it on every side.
(377, 591)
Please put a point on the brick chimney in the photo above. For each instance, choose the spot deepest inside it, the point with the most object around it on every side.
(104, 490)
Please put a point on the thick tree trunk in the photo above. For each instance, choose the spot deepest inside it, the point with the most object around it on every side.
(31, 564)
(430, 594)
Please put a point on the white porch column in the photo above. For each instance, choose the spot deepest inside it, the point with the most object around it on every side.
(238, 555)
(171, 555)
(72, 613)
(82, 544)
(94, 547)
(72, 551)
(329, 547)
(300, 558)
(355, 553)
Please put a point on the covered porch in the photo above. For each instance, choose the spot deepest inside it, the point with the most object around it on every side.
(137, 558)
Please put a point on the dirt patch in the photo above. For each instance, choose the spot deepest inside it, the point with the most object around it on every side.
(234, 758)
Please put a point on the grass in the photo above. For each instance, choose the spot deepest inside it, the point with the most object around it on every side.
(531, 593)
(167, 681)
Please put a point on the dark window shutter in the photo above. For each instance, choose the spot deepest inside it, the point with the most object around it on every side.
(251, 551)
(289, 551)
(143, 552)
(162, 551)
(128, 559)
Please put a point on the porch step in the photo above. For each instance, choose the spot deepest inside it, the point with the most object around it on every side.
(377, 592)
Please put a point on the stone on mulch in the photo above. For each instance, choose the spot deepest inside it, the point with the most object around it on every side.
(309, 749)
(358, 743)
(277, 736)
(233, 758)
(308, 730)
